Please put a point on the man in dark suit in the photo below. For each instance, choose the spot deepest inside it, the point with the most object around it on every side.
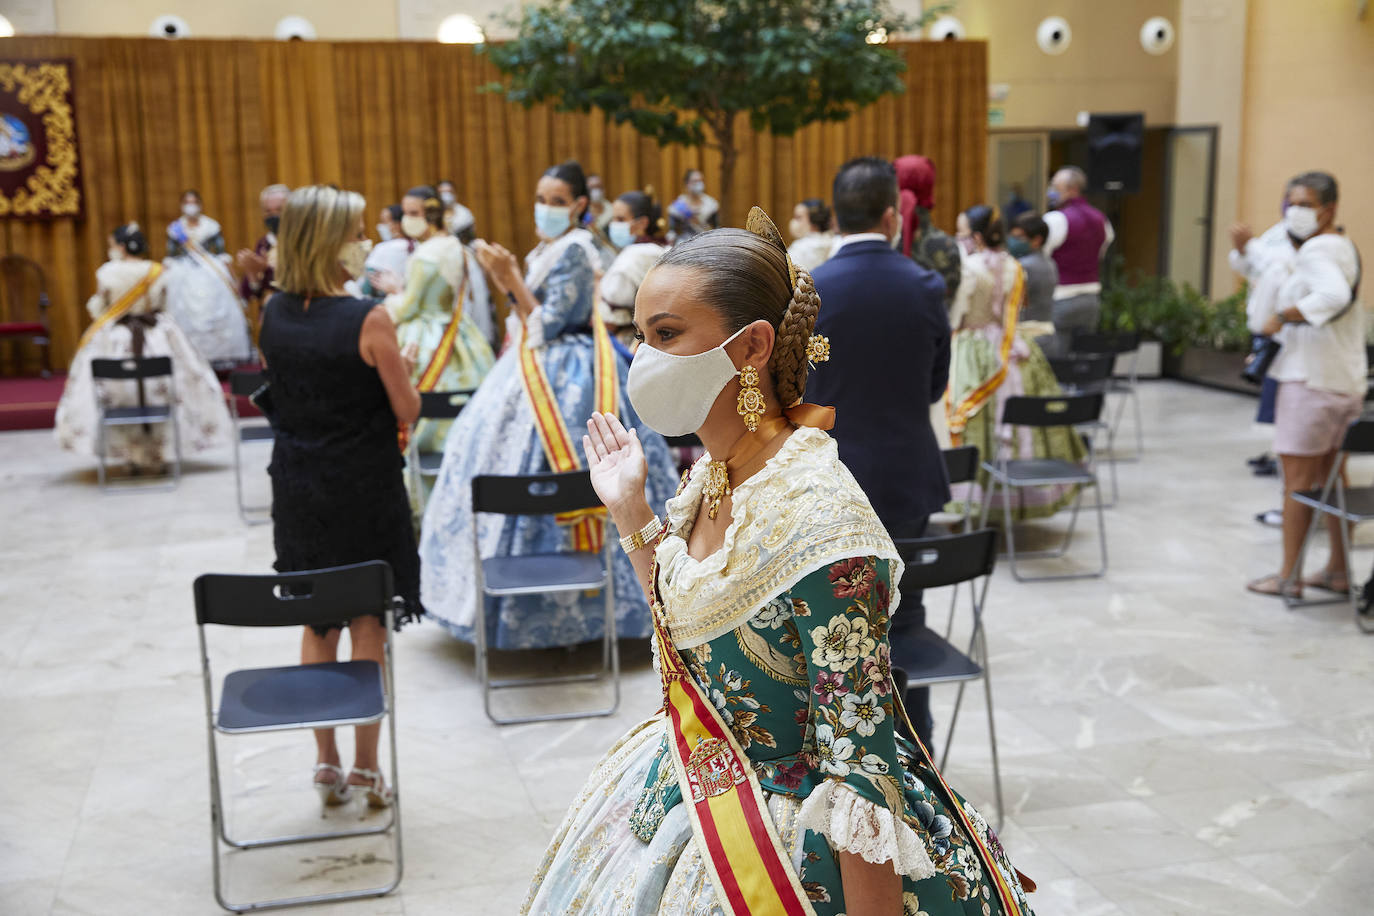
(889, 361)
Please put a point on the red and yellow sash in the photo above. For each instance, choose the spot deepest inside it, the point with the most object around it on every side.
(752, 872)
(430, 377)
(970, 405)
(122, 305)
(589, 530)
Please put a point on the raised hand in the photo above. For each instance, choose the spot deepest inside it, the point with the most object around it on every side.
(617, 464)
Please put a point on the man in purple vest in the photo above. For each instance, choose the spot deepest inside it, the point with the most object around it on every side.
(1079, 234)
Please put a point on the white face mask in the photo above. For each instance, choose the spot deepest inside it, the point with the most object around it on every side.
(447, 198)
(674, 394)
(799, 227)
(115, 253)
(191, 210)
(696, 187)
(414, 226)
(353, 256)
(596, 195)
(1301, 222)
(384, 232)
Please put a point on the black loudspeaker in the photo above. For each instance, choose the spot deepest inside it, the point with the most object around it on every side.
(1115, 142)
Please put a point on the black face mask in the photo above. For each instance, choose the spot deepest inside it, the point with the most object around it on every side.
(272, 223)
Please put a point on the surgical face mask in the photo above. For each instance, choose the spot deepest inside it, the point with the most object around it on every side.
(414, 226)
(384, 232)
(115, 253)
(191, 210)
(1053, 198)
(353, 256)
(551, 222)
(447, 198)
(674, 394)
(273, 223)
(799, 227)
(620, 233)
(1017, 247)
(696, 187)
(1301, 222)
(596, 195)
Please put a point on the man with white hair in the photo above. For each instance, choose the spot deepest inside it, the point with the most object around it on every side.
(1079, 235)
(258, 264)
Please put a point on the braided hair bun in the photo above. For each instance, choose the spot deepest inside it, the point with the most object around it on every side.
(747, 276)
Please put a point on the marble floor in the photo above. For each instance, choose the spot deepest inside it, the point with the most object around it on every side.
(1169, 743)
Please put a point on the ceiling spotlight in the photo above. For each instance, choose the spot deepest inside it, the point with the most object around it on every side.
(6, 28)
(460, 29)
(947, 28)
(169, 27)
(1053, 35)
(1157, 35)
(294, 28)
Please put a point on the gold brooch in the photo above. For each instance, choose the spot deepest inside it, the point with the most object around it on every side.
(817, 349)
(715, 487)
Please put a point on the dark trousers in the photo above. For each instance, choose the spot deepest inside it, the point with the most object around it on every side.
(907, 624)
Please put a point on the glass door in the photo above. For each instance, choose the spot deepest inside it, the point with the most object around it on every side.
(1190, 180)
(1017, 172)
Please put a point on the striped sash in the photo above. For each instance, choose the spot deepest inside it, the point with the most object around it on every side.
(122, 305)
(960, 415)
(588, 526)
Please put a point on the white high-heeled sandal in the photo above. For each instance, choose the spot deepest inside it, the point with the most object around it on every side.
(336, 792)
(379, 794)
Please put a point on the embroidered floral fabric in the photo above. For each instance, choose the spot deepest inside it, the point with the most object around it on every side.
(805, 686)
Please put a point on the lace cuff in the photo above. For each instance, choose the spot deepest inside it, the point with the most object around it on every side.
(534, 328)
(853, 824)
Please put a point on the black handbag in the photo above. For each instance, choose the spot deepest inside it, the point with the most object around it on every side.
(1263, 350)
(262, 400)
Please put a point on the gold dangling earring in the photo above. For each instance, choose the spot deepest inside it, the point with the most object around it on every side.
(750, 404)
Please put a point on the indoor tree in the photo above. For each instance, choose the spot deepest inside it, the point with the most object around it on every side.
(684, 71)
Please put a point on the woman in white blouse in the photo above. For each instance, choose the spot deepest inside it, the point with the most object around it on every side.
(810, 228)
(1311, 309)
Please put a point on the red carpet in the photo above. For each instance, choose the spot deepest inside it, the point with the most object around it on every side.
(30, 403)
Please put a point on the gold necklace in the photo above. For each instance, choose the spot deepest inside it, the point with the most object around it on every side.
(717, 484)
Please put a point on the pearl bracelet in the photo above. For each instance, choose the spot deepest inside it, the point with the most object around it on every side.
(638, 540)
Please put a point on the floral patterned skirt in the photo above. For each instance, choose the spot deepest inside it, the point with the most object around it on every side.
(596, 865)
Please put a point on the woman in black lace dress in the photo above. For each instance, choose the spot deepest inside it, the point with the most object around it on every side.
(339, 384)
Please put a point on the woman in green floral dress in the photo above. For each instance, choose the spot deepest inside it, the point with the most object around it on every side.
(774, 582)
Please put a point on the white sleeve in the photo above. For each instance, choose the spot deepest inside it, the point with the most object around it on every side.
(1240, 262)
(1058, 226)
(1111, 236)
(1328, 289)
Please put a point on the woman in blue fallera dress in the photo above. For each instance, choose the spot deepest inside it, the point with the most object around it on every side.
(497, 433)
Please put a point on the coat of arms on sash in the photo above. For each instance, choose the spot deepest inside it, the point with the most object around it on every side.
(712, 770)
(40, 170)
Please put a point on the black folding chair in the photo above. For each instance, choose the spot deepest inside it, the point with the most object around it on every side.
(1351, 505)
(244, 383)
(951, 561)
(439, 406)
(1118, 343)
(543, 574)
(328, 695)
(139, 370)
(961, 466)
(1009, 474)
(1090, 373)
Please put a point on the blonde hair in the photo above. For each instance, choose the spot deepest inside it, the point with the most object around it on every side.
(318, 220)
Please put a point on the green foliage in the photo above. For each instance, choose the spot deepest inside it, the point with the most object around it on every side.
(1177, 317)
(681, 70)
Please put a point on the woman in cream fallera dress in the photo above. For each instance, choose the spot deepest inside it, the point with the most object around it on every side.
(144, 330)
(784, 629)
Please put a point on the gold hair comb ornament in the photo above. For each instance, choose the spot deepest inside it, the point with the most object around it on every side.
(760, 224)
(817, 349)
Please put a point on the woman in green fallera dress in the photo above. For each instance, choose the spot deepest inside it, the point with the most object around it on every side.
(450, 352)
(773, 581)
(986, 309)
